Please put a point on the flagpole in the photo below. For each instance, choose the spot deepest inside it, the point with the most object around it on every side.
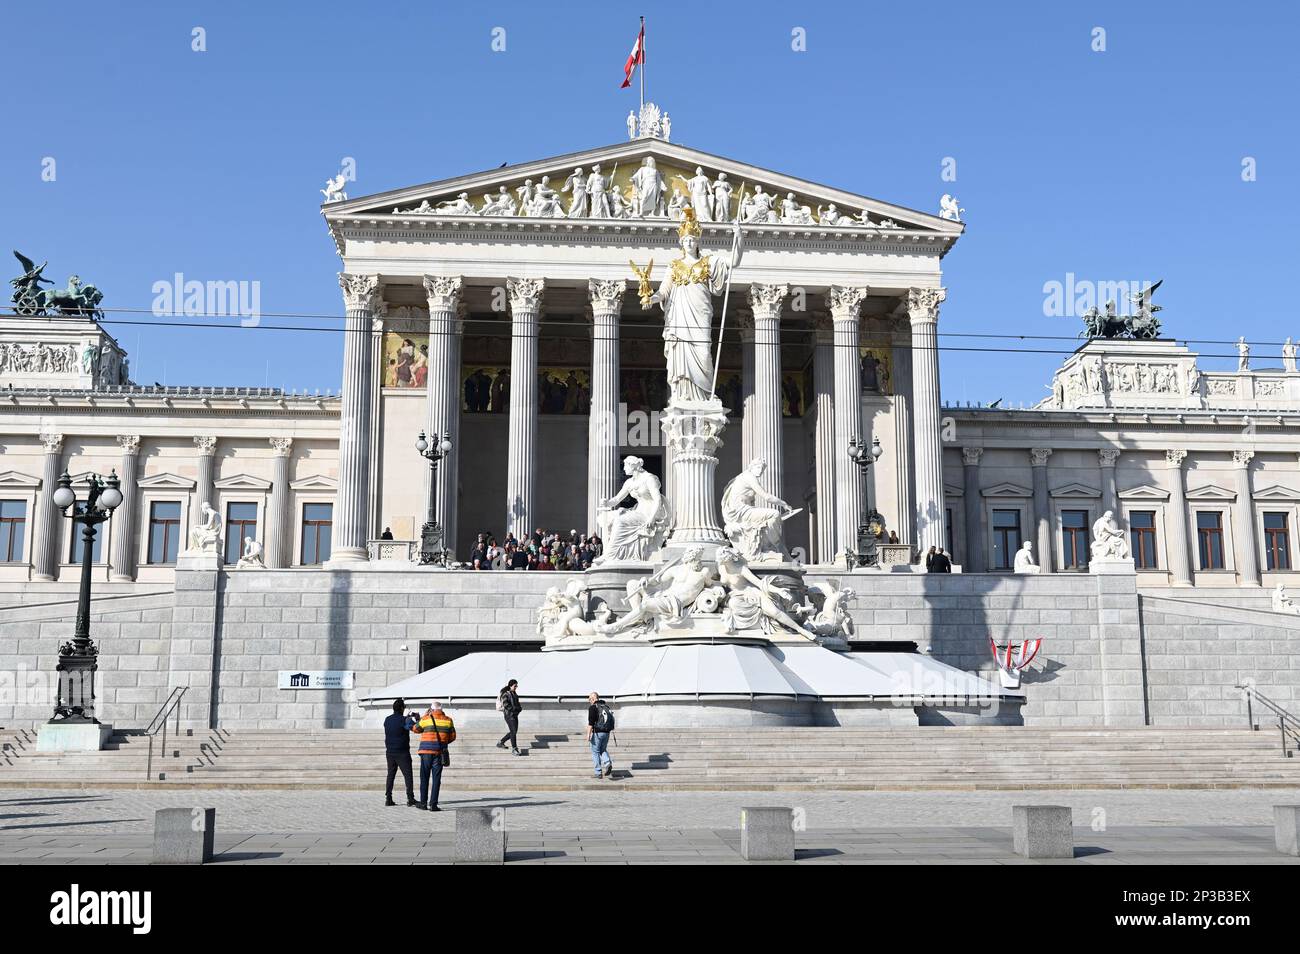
(643, 63)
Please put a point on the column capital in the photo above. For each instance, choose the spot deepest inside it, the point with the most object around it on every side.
(130, 443)
(970, 456)
(1038, 456)
(53, 443)
(525, 293)
(443, 292)
(283, 446)
(845, 301)
(1108, 456)
(360, 292)
(1242, 458)
(606, 296)
(923, 303)
(765, 300)
(1175, 458)
(206, 444)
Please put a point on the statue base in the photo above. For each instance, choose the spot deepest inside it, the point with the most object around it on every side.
(1112, 566)
(693, 432)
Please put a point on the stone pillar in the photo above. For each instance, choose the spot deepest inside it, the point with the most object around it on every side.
(1120, 652)
(277, 545)
(361, 294)
(203, 486)
(602, 426)
(443, 391)
(765, 302)
(745, 320)
(903, 463)
(521, 467)
(1244, 520)
(974, 558)
(1107, 457)
(845, 304)
(1180, 568)
(927, 450)
(1042, 510)
(693, 436)
(824, 398)
(122, 558)
(46, 517)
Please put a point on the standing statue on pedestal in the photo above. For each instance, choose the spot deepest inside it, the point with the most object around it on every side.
(1108, 541)
(636, 532)
(686, 295)
(753, 519)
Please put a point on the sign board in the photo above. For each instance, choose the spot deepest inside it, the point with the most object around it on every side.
(315, 679)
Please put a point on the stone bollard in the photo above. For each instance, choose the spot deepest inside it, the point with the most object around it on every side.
(183, 836)
(767, 834)
(1042, 831)
(479, 836)
(1286, 829)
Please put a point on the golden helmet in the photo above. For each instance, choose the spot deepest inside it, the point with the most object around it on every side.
(690, 224)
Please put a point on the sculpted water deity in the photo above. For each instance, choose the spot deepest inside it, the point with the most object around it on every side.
(636, 532)
(665, 596)
(751, 600)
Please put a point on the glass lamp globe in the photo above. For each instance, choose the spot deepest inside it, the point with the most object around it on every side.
(445, 446)
(876, 449)
(421, 444)
(111, 498)
(64, 498)
(854, 450)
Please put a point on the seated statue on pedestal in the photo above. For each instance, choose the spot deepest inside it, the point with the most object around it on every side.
(252, 556)
(667, 595)
(206, 534)
(1108, 539)
(753, 519)
(752, 601)
(636, 532)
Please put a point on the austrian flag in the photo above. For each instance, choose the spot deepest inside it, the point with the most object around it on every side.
(635, 58)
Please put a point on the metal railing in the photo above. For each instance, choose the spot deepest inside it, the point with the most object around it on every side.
(1288, 725)
(159, 723)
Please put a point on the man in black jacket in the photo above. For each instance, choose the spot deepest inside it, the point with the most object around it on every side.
(511, 707)
(397, 749)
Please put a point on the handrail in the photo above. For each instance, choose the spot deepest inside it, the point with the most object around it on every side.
(1287, 723)
(159, 721)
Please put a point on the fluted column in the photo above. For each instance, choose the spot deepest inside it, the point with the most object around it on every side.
(351, 522)
(1244, 520)
(521, 467)
(974, 557)
(206, 445)
(765, 302)
(443, 391)
(1180, 568)
(844, 304)
(1106, 459)
(45, 541)
(923, 313)
(745, 321)
(903, 463)
(277, 543)
(824, 448)
(1042, 510)
(602, 426)
(122, 559)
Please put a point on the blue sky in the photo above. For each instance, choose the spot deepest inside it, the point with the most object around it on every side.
(1116, 165)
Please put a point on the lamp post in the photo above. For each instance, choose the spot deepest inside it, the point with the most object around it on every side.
(863, 456)
(432, 549)
(78, 657)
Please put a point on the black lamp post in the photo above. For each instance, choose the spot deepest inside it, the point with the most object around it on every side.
(863, 456)
(78, 657)
(431, 542)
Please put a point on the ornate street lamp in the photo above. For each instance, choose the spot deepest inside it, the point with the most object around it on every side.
(869, 531)
(78, 657)
(432, 549)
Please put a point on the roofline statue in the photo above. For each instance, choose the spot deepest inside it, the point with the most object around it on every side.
(30, 299)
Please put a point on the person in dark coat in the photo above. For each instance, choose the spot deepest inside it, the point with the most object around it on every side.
(510, 708)
(397, 750)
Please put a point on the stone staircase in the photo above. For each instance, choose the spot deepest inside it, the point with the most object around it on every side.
(989, 757)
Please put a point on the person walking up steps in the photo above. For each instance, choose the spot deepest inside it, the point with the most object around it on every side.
(509, 705)
(600, 723)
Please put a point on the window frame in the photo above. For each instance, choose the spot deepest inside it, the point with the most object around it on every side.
(150, 522)
(303, 524)
(1136, 533)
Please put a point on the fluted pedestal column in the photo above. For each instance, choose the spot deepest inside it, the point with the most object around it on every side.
(521, 465)
(974, 557)
(277, 543)
(1106, 459)
(824, 449)
(1042, 510)
(351, 522)
(745, 320)
(602, 426)
(1244, 520)
(204, 485)
(844, 304)
(121, 567)
(923, 313)
(765, 302)
(902, 463)
(1180, 568)
(45, 542)
(443, 392)
(693, 433)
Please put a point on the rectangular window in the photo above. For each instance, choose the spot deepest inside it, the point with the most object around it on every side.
(948, 532)
(241, 521)
(1277, 541)
(1006, 538)
(1074, 539)
(164, 531)
(79, 542)
(1209, 537)
(1142, 538)
(13, 530)
(317, 527)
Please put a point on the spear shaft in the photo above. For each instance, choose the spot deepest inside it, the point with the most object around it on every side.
(722, 324)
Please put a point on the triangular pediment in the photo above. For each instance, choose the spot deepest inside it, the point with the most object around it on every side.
(315, 482)
(1144, 492)
(440, 200)
(1075, 490)
(171, 481)
(1006, 490)
(12, 480)
(1274, 492)
(1211, 492)
(952, 490)
(242, 482)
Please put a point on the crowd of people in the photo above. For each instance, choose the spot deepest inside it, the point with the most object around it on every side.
(542, 550)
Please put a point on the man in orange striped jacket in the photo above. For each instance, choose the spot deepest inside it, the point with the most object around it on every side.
(436, 732)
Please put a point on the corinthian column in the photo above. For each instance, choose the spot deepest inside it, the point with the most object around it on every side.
(765, 302)
(279, 515)
(745, 322)
(45, 542)
(1042, 509)
(970, 458)
(521, 469)
(1244, 518)
(443, 389)
(923, 313)
(1106, 458)
(122, 562)
(1180, 570)
(824, 401)
(203, 487)
(845, 305)
(361, 296)
(602, 425)
(903, 464)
